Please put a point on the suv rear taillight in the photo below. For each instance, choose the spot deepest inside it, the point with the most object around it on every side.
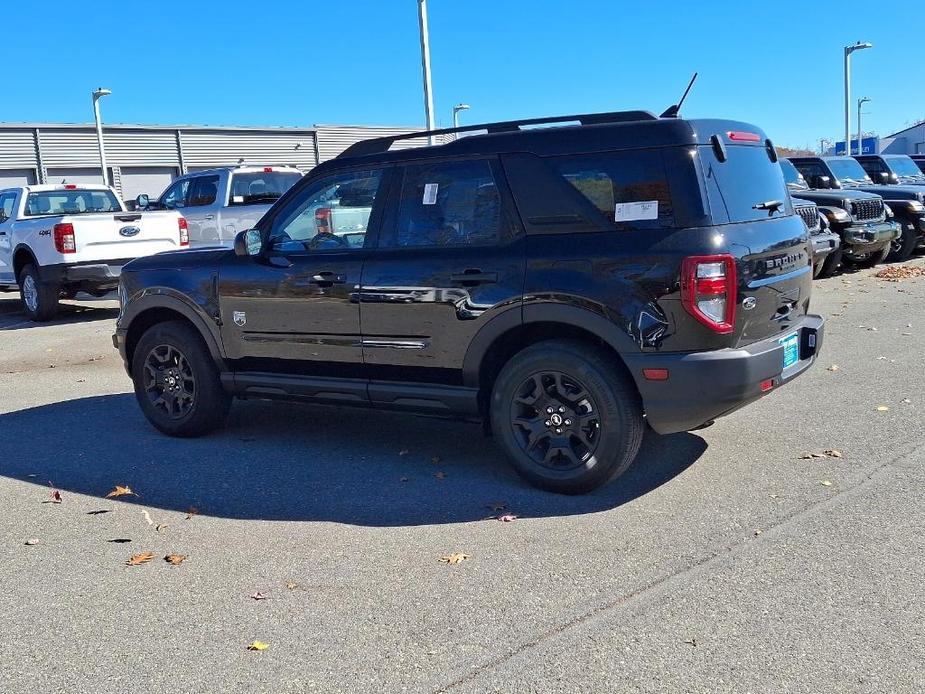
(184, 231)
(64, 238)
(323, 218)
(708, 290)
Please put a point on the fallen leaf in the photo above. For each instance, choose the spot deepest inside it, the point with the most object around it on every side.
(258, 646)
(826, 483)
(119, 490)
(31, 541)
(454, 558)
(834, 367)
(440, 475)
(191, 511)
(175, 559)
(259, 596)
(98, 512)
(810, 456)
(292, 585)
(55, 494)
(758, 532)
(160, 526)
(833, 453)
(507, 517)
(403, 451)
(692, 641)
(142, 558)
(882, 408)
(147, 516)
(774, 496)
(119, 540)
(906, 401)
(402, 479)
(896, 273)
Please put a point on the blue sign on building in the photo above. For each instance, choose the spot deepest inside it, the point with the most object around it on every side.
(869, 145)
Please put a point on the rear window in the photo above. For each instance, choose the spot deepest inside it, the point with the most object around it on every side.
(747, 177)
(263, 187)
(628, 189)
(71, 202)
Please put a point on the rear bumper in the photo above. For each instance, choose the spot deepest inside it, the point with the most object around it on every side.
(98, 274)
(703, 386)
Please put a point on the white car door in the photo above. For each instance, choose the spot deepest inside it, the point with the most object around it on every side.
(7, 207)
(203, 210)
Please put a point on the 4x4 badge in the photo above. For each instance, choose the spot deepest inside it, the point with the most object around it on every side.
(239, 317)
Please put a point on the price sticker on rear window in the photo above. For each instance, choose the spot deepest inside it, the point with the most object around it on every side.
(430, 193)
(633, 211)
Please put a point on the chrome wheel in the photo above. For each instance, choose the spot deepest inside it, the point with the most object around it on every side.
(169, 382)
(30, 294)
(555, 421)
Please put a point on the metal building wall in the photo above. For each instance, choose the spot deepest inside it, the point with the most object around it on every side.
(202, 148)
(334, 139)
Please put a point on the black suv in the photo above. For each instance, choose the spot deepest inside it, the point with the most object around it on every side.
(860, 219)
(566, 285)
(845, 173)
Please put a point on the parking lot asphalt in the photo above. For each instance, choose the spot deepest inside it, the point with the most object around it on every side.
(723, 561)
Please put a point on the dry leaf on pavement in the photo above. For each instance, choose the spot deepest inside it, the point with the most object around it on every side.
(454, 558)
(147, 516)
(119, 490)
(259, 596)
(32, 541)
(257, 646)
(882, 408)
(834, 367)
(191, 511)
(506, 517)
(833, 453)
(292, 585)
(175, 559)
(160, 526)
(826, 483)
(142, 558)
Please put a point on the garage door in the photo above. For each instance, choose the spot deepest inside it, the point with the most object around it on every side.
(78, 176)
(152, 180)
(16, 177)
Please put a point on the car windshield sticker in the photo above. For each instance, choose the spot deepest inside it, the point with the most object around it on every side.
(237, 198)
(430, 193)
(629, 211)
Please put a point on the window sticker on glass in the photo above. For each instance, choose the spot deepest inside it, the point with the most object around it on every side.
(430, 193)
(237, 198)
(630, 211)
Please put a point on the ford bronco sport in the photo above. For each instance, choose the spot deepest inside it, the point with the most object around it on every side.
(566, 285)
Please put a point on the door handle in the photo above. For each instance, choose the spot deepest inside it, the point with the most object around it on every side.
(327, 279)
(473, 276)
(209, 217)
(2, 233)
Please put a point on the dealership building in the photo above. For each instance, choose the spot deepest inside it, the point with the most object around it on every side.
(145, 158)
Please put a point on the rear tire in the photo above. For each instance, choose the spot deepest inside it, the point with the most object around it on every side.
(177, 382)
(568, 419)
(40, 301)
(902, 248)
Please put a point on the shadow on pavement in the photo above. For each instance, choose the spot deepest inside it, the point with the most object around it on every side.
(81, 310)
(281, 461)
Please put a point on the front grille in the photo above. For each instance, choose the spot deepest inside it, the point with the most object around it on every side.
(865, 210)
(810, 217)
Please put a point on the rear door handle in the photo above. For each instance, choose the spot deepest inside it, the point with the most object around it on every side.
(209, 217)
(473, 277)
(327, 279)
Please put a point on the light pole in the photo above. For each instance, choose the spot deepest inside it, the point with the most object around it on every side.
(456, 109)
(425, 67)
(859, 46)
(861, 102)
(97, 95)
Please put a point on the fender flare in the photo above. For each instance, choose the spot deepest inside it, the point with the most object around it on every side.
(165, 298)
(573, 316)
(27, 249)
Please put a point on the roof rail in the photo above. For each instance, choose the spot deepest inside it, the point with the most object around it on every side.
(378, 145)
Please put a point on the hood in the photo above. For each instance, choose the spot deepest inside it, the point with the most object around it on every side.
(205, 258)
(834, 198)
(894, 192)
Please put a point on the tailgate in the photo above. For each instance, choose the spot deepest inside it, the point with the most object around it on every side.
(124, 234)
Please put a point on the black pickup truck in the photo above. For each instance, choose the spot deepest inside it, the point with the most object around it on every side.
(860, 219)
(905, 201)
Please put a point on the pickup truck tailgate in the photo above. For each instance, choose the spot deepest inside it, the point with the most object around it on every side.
(124, 234)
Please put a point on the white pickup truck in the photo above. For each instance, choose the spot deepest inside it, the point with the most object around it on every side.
(218, 203)
(57, 240)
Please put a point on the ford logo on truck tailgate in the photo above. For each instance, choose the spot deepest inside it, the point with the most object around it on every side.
(129, 231)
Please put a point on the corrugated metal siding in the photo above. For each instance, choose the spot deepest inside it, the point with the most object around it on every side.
(334, 139)
(141, 148)
(224, 148)
(69, 148)
(17, 149)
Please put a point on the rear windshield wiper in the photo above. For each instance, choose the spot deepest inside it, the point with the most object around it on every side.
(771, 206)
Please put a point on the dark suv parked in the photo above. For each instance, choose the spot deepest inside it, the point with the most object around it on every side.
(563, 284)
(826, 245)
(845, 173)
(860, 219)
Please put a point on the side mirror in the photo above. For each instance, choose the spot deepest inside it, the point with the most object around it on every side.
(248, 243)
(3, 217)
(884, 177)
(142, 201)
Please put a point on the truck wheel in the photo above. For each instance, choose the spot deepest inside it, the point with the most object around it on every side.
(902, 248)
(830, 264)
(40, 301)
(567, 418)
(176, 381)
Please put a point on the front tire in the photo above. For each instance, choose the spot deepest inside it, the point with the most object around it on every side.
(568, 418)
(902, 248)
(830, 264)
(40, 301)
(177, 382)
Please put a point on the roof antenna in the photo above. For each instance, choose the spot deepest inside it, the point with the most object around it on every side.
(673, 111)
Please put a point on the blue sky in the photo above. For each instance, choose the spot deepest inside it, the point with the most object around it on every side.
(286, 62)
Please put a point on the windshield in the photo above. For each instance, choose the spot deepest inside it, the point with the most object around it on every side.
(71, 202)
(793, 177)
(847, 170)
(904, 167)
(265, 186)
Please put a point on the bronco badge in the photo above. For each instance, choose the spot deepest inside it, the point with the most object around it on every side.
(239, 317)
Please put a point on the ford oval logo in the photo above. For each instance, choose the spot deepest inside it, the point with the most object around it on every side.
(129, 231)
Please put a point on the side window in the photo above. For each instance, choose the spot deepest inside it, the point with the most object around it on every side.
(202, 191)
(873, 167)
(812, 170)
(6, 206)
(447, 204)
(629, 189)
(175, 195)
(330, 214)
